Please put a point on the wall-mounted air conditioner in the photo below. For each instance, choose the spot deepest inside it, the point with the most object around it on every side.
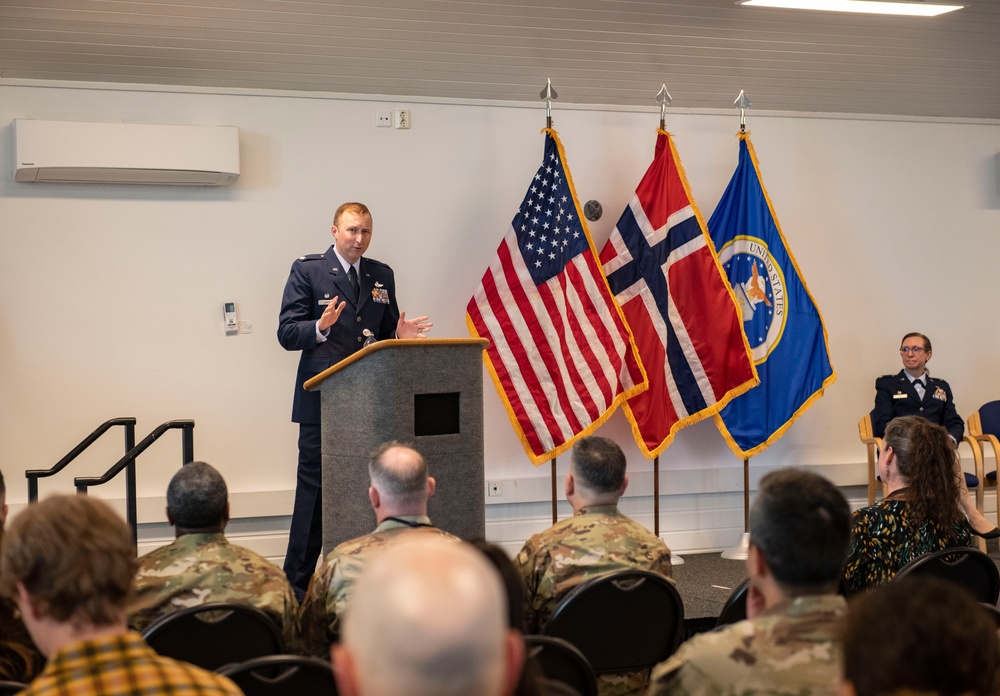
(125, 153)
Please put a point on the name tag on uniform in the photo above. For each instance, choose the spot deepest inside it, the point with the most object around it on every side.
(899, 396)
(325, 302)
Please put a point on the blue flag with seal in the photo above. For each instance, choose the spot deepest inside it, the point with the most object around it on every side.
(781, 320)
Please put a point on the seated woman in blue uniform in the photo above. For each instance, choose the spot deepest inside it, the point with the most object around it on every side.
(913, 392)
(920, 512)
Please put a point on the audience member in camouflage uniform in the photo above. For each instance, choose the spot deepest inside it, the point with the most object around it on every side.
(398, 493)
(800, 527)
(201, 566)
(596, 540)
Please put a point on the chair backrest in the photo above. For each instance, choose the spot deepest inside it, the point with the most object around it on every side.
(622, 622)
(992, 612)
(283, 675)
(9, 688)
(215, 635)
(989, 418)
(560, 661)
(735, 608)
(963, 565)
(984, 429)
(873, 445)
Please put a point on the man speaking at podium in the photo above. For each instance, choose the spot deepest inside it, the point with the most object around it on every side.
(332, 304)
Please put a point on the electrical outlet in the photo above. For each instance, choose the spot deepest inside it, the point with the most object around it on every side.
(494, 488)
(383, 118)
(403, 119)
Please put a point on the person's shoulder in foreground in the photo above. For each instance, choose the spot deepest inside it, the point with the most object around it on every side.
(788, 647)
(123, 665)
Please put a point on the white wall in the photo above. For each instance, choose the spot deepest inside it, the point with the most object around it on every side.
(112, 295)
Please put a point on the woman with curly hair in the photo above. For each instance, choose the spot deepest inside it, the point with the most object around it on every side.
(920, 512)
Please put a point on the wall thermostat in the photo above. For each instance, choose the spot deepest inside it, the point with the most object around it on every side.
(229, 312)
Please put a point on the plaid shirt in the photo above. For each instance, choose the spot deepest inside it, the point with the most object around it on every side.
(123, 665)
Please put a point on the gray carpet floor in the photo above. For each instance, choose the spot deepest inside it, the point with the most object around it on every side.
(705, 581)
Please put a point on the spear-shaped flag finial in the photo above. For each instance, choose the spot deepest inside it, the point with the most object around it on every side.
(548, 94)
(742, 103)
(663, 98)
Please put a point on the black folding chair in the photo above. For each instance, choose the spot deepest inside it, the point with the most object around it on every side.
(626, 621)
(560, 661)
(215, 635)
(281, 675)
(735, 608)
(962, 565)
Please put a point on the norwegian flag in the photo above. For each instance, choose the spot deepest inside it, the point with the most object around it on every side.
(560, 354)
(663, 270)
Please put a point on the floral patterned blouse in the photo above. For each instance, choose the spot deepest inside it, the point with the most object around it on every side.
(885, 538)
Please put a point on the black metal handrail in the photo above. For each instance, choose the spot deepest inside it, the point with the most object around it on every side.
(34, 474)
(128, 464)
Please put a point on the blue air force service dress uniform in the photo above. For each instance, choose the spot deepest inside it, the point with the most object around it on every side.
(896, 396)
(313, 283)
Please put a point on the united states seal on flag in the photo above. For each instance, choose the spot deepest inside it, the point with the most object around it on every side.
(560, 353)
(663, 270)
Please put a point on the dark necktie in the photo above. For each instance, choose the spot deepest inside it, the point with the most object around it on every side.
(352, 275)
(918, 385)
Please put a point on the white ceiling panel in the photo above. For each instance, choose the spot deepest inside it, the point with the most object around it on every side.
(595, 51)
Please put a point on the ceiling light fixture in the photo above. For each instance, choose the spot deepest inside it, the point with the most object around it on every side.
(913, 9)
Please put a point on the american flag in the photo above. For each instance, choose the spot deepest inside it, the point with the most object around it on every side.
(560, 353)
(661, 266)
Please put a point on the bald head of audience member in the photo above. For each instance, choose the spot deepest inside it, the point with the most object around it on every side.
(197, 500)
(399, 482)
(596, 473)
(428, 618)
(919, 636)
(69, 561)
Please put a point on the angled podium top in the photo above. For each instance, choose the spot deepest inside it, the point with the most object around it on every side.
(390, 344)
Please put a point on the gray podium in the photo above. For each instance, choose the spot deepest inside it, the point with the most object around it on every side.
(428, 392)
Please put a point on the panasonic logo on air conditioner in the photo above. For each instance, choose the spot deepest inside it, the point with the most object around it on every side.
(125, 153)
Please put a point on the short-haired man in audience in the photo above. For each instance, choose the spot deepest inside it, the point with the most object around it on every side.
(428, 617)
(800, 526)
(70, 562)
(596, 540)
(201, 566)
(400, 488)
